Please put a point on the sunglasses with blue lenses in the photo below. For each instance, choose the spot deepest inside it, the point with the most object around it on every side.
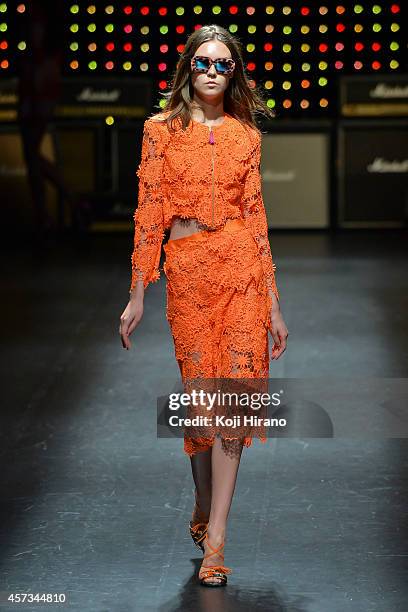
(201, 63)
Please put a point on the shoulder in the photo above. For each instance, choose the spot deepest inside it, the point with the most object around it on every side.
(246, 133)
(254, 136)
(158, 117)
(247, 139)
(152, 123)
(156, 125)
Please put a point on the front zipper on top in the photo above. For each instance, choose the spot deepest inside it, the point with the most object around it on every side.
(212, 142)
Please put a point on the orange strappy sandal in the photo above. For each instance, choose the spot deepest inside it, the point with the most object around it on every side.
(214, 571)
(198, 530)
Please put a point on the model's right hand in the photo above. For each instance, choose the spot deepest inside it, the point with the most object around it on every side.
(130, 319)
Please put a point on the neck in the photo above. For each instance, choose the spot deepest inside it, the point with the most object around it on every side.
(204, 112)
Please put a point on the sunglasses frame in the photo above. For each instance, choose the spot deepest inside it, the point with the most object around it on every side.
(203, 71)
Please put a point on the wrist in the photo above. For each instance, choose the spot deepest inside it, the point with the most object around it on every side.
(135, 299)
(137, 293)
(275, 307)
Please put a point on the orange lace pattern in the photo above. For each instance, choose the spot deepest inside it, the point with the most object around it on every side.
(218, 315)
(184, 175)
(255, 217)
(148, 217)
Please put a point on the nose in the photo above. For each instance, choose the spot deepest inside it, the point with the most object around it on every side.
(212, 71)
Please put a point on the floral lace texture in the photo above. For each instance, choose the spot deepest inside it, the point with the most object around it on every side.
(253, 210)
(148, 217)
(217, 308)
(187, 174)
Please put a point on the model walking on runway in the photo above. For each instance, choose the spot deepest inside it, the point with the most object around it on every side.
(199, 177)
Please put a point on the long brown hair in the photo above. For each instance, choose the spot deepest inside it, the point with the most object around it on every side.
(240, 100)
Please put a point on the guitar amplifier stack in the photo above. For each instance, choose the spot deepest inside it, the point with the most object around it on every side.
(295, 168)
(96, 131)
(372, 150)
(91, 123)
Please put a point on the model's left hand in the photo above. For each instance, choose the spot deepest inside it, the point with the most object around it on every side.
(279, 333)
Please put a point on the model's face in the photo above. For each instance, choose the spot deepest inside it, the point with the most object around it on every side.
(213, 93)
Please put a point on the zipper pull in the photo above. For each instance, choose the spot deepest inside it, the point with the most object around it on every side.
(211, 140)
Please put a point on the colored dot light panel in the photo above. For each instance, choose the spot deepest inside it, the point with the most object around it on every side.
(293, 51)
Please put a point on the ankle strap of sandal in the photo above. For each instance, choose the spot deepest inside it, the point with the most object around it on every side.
(198, 526)
(214, 550)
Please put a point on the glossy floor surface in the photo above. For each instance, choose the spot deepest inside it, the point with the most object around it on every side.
(96, 508)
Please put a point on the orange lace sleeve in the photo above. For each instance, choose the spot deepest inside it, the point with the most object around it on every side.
(255, 216)
(148, 217)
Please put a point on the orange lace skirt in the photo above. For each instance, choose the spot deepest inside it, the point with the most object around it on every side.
(217, 309)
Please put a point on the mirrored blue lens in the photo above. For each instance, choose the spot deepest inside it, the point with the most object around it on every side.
(221, 66)
(202, 64)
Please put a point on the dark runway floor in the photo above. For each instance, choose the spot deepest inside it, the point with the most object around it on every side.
(95, 507)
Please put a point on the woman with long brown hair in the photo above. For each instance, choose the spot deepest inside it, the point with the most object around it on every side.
(199, 177)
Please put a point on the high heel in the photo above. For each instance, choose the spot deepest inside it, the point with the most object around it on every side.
(198, 532)
(213, 571)
(198, 529)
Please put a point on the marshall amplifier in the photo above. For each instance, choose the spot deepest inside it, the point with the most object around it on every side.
(77, 153)
(121, 97)
(295, 169)
(80, 155)
(373, 174)
(88, 98)
(16, 203)
(126, 152)
(374, 95)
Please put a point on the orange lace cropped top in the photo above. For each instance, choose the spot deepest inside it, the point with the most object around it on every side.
(207, 173)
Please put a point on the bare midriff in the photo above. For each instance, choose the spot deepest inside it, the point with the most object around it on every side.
(185, 227)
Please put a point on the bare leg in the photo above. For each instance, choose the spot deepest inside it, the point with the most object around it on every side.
(224, 474)
(201, 469)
